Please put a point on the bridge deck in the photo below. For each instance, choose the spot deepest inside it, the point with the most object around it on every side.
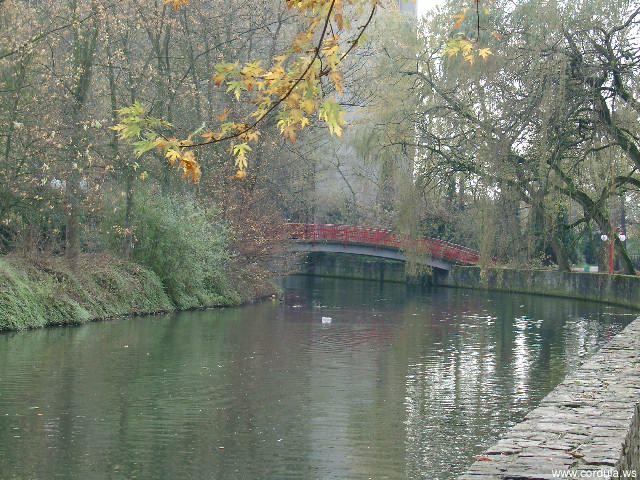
(346, 235)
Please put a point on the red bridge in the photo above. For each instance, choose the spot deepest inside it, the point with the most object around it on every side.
(378, 243)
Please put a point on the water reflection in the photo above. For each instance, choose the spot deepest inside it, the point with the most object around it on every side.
(402, 384)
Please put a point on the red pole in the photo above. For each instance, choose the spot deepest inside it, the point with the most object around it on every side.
(611, 251)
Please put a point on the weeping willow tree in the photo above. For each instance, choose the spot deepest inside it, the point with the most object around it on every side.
(383, 135)
(542, 130)
(364, 169)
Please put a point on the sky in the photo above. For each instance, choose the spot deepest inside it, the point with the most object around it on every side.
(423, 6)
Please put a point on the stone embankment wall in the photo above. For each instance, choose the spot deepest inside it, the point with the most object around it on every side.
(357, 267)
(616, 289)
(587, 427)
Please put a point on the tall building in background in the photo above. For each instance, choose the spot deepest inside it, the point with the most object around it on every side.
(344, 176)
(408, 6)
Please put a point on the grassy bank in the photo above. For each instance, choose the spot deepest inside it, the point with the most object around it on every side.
(37, 293)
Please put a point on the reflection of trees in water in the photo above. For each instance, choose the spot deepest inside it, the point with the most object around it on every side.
(404, 383)
(468, 383)
(448, 384)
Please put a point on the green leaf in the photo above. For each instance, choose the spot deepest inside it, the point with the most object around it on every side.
(333, 115)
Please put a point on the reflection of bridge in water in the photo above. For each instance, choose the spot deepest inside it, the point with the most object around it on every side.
(375, 242)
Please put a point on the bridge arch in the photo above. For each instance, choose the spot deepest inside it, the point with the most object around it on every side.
(375, 242)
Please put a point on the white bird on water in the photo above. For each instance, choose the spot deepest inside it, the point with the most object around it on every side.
(326, 320)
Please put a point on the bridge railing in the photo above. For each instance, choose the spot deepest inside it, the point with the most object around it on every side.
(314, 232)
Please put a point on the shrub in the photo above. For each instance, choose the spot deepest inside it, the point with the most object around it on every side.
(184, 243)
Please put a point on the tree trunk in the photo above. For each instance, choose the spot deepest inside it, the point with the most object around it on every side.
(72, 231)
(626, 264)
(560, 251)
(83, 58)
(536, 222)
(127, 241)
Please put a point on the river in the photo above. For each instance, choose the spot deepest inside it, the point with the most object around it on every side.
(403, 384)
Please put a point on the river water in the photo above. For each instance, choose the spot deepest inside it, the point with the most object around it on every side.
(403, 384)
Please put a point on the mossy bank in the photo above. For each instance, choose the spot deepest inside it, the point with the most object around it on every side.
(39, 293)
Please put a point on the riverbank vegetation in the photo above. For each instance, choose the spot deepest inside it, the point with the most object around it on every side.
(40, 293)
(512, 129)
(72, 194)
(180, 258)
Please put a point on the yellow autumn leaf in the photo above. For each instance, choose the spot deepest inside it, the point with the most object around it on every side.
(173, 156)
(466, 46)
(218, 79)
(224, 115)
(308, 106)
(484, 53)
(451, 50)
(240, 151)
(177, 4)
(240, 175)
(459, 18)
